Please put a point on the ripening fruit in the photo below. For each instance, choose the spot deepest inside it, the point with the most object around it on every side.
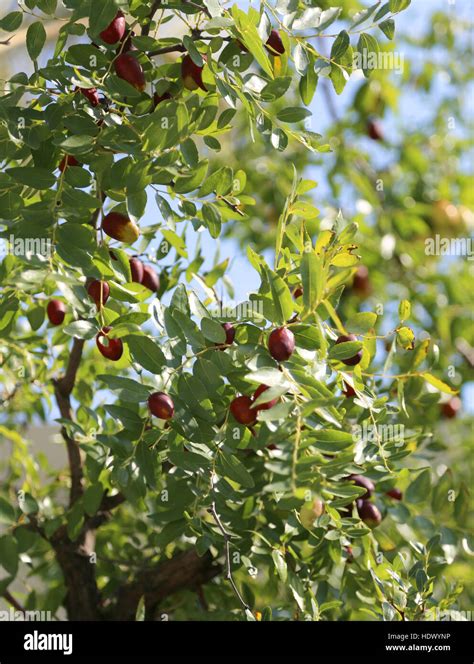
(348, 390)
(119, 227)
(395, 493)
(450, 408)
(115, 30)
(281, 343)
(355, 359)
(268, 404)
(365, 483)
(311, 511)
(150, 279)
(161, 405)
(274, 43)
(298, 292)
(114, 348)
(369, 513)
(129, 69)
(374, 130)
(99, 292)
(191, 73)
(136, 268)
(56, 311)
(91, 95)
(241, 409)
(68, 160)
(361, 283)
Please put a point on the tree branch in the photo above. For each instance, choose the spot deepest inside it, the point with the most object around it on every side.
(154, 8)
(212, 510)
(62, 391)
(11, 600)
(186, 570)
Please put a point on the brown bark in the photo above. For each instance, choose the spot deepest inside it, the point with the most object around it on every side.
(186, 570)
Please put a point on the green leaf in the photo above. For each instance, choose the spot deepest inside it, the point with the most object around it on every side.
(92, 498)
(232, 468)
(35, 39)
(293, 114)
(11, 21)
(312, 278)
(420, 489)
(362, 322)
(280, 564)
(388, 28)
(82, 329)
(213, 330)
(439, 384)
(9, 554)
(307, 85)
(7, 512)
(396, 6)
(344, 350)
(38, 178)
(281, 296)
(340, 45)
(146, 353)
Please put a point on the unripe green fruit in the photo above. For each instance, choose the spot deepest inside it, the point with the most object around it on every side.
(311, 511)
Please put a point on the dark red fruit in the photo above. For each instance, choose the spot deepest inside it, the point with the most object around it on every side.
(56, 311)
(365, 483)
(161, 405)
(348, 391)
(191, 74)
(355, 359)
(114, 348)
(127, 43)
(91, 95)
(374, 130)
(281, 344)
(150, 279)
(115, 30)
(450, 408)
(136, 268)
(241, 409)
(274, 43)
(99, 292)
(369, 513)
(68, 160)
(120, 227)
(361, 283)
(298, 292)
(268, 404)
(229, 330)
(395, 493)
(129, 69)
(157, 99)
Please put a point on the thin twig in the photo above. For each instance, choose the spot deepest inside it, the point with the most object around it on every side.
(228, 571)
